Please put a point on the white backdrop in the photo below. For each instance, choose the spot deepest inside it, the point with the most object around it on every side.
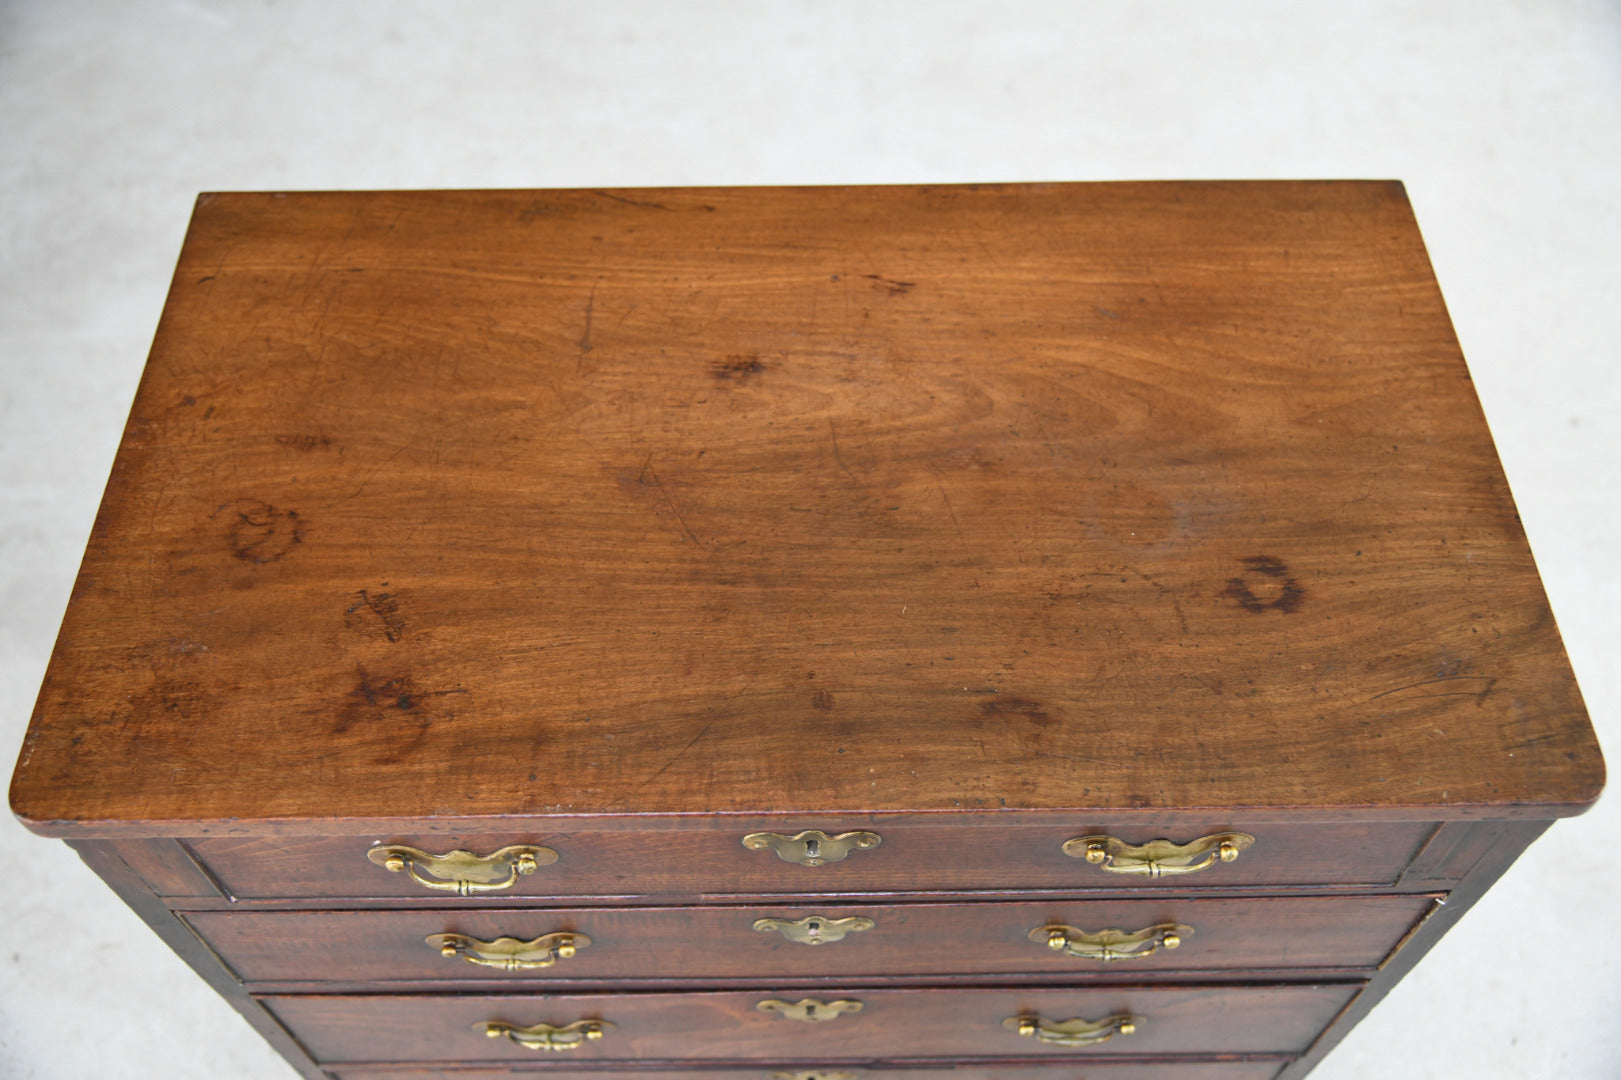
(1504, 119)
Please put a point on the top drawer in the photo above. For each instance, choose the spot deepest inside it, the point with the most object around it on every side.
(836, 858)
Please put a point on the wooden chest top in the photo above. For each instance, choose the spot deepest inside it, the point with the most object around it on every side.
(1097, 497)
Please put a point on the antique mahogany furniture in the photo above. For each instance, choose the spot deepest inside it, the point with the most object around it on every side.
(880, 633)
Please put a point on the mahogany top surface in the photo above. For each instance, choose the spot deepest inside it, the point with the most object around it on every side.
(1106, 497)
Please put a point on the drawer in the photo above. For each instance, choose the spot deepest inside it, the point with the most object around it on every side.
(1162, 1069)
(879, 940)
(908, 857)
(866, 1025)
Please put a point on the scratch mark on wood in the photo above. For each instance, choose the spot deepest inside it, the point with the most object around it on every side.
(585, 336)
(649, 204)
(940, 484)
(1478, 686)
(837, 456)
(649, 471)
(1076, 757)
(679, 754)
(386, 462)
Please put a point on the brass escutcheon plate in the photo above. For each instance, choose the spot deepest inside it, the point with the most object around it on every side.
(815, 929)
(809, 1009)
(813, 847)
(814, 1074)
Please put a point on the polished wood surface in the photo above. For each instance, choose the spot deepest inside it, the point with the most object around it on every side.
(819, 500)
(913, 857)
(918, 1024)
(714, 942)
(979, 518)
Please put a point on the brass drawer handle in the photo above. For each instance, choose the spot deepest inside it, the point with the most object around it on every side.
(809, 1009)
(545, 1036)
(1110, 945)
(813, 1074)
(813, 847)
(462, 872)
(1157, 858)
(815, 929)
(508, 953)
(1073, 1032)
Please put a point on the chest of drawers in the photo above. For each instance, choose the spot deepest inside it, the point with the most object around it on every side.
(810, 634)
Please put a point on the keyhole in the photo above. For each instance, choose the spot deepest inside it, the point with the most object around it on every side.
(813, 929)
(813, 847)
(810, 1011)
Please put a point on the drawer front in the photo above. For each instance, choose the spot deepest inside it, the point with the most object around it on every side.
(879, 940)
(867, 1025)
(1163, 1069)
(907, 858)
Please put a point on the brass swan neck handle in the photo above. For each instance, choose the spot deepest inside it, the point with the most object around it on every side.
(1073, 1032)
(461, 871)
(1111, 945)
(545, 1036)
(509, 953)
(1157, 858)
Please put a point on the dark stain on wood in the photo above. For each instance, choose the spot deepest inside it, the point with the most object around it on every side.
(1277, 590)
(1009, 708)
(392, 714)
(304, 442)
(376, 696)
(739, 366)
(384, 606)
(165, 697)
(260, 533)
(890, 285)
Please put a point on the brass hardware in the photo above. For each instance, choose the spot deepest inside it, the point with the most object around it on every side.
(1073, 1032)
(507, 953)
(1157, 858)
(815, 929)
(545, 1036)
(812, 847)
(814, 1074)
(809, 1008)
(1109, 945)
(462, 872)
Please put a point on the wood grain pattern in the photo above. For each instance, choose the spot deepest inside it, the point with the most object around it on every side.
(715, 942)
(1109, 496)
(916, 1024)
